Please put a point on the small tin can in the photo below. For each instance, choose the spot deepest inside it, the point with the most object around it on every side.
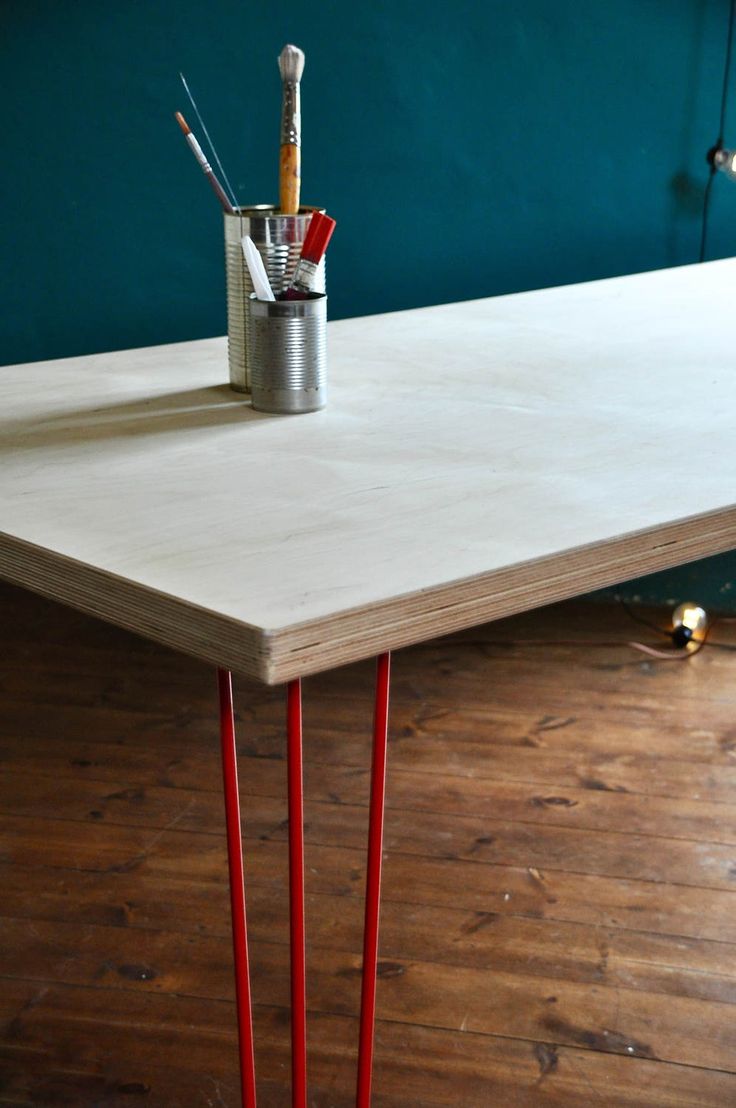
(287, 354)
(279, 240)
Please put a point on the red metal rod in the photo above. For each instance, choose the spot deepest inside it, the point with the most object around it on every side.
(237, 890)
(297, 928)
(373, 883)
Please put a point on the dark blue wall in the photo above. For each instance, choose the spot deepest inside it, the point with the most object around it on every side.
(466, 149)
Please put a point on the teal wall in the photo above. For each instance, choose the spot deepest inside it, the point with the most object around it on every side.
(467, 149)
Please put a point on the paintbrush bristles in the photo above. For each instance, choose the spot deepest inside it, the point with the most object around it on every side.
(182, 123)
(291, 64)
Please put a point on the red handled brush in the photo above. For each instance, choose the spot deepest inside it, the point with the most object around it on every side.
(314, 246)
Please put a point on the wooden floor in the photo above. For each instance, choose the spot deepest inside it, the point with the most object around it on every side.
(559, 921)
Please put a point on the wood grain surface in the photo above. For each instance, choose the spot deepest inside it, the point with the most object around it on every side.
(560, 873)
(475, 459)
(290, 178)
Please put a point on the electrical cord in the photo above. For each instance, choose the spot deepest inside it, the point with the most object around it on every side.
(674, 654)
(640, 619)
(718, 144)
(726, 71)
(706, 209)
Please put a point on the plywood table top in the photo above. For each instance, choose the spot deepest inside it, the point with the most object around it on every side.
(475, 459)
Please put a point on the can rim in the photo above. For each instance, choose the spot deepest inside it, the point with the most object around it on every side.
(310, 297)
(271, 211)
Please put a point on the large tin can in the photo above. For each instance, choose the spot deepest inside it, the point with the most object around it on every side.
(279, 239)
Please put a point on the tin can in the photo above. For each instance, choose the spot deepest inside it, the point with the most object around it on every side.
(279, 239)
(287, 354)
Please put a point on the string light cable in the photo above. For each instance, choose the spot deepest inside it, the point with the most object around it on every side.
(688, 635)
(718, 157)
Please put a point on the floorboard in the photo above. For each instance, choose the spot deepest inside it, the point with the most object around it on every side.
(560, 874)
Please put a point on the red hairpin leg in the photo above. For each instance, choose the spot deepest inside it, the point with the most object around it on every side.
(237, 889)
(296, 897)
(373, 883)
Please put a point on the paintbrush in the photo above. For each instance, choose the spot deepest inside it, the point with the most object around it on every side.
(204, 164)
(210, 143)
(291, 67)
(304, 281)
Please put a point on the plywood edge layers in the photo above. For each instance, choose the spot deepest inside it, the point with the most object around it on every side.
(204, 634)
(417, 617)
(325, 643)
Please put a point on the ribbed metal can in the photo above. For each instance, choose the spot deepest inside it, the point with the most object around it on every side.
(287, 354)
(279, 239)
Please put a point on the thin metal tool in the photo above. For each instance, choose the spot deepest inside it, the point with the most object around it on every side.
(209, 141)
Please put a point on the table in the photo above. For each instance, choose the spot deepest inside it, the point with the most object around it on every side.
(475, 460)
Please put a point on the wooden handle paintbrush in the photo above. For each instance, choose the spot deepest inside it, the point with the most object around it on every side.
(204, 164)
(291, 67)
